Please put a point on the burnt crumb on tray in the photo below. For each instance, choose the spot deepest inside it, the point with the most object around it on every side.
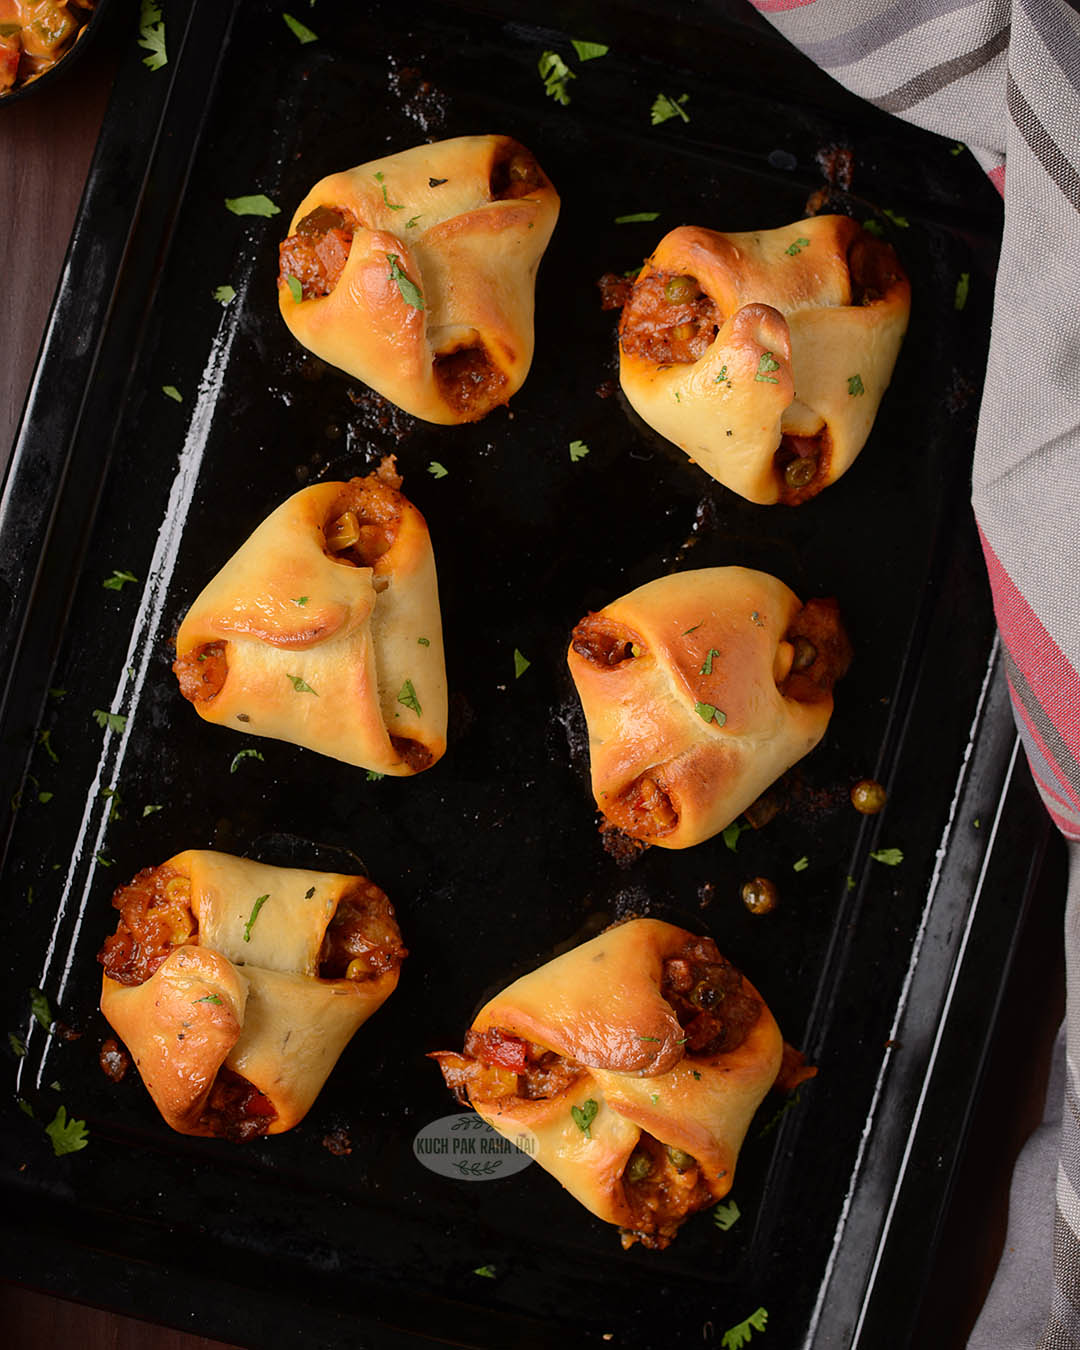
(378, 416)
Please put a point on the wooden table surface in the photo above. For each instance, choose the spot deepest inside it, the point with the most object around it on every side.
(46, 145)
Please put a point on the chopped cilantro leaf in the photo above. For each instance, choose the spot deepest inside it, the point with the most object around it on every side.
(424, 642)
(873, 227)
(114, 721)
(260, 901)
(855, 386)
(102, 861)
(152, 35)
(767, 363)
(706, 665)
(46, 744)
(18, 1046)
(589, 51)
(309, 892)
(303, 34)
(725, 1216)
(149, 810)
(258, 204)
(555, 72)
(521, 664)
(800, 865)
(901, 221)
(411, 224)
(301, 685)
(708, 713)
(578, 451)
(437, 182)
(171, 391)
(407, 697)
(118, 580)
(296, 290)
(584, 1115)
(737, 1336)
(207, 998)
(437, 470)
(68, 1136)
(39, 1006)
(373, 775)
(731, 834)
(891, 857)
(394, 206)
(963, 285)
(797, 247)
(45, 797)
(410, 291)
(224, 295)
(488, 1272)
(637, 218)
(665, 107)
(242, 755)
(696, 626)
(301, 600)
(25, 1107)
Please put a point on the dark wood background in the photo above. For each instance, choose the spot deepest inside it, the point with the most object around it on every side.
(46, 143)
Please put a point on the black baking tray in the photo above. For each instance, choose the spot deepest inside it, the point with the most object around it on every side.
(493, 858)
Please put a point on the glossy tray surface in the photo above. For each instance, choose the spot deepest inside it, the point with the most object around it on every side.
(492, 858)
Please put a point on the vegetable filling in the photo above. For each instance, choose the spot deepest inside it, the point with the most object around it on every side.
(362, 940)
(155, 917)
(668, 320)
(317, 253)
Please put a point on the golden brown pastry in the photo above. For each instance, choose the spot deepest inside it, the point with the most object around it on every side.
(636, 1061)
(324, 630)
(765, 355)
(416, 273)
(236, 986)
(699, 690)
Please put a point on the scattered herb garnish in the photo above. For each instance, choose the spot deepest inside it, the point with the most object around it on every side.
(850, 882)
(301, 685)
(407, 697)
(171, 391)
(756, 619)
(103, 861)
(706, 665)
(19, 1047)
(258, 204)
(424, 642)
(152, 35)
(39, 1006)
(637, 218)
(224, 295)
(114, 721)
(57, 693)
(302, 33)
(797, 247)
(25, 1107)
(262, 899)
(394, 206)
(584, 1115)
(555, 72)
(410, 291)
(46, 797)
(708, 713)
(437, 182)
(301, 600)
(648, 1038)
(891, 857)
(855, 386)
(696, 1074)
(521, 664)
(488, 1272)
(654, 1097)
(578, 450)
(296, 290)
(46, 744)
(118, 580)
(962, 287)
(149, 810)
(437, 470)
(664, 107)
(373, 775)
(958, 148)
(411, 224)
(767, 363)
(113, 797)
(309, 892)
(732, 832)
(725, 1216)
(901, 221)
(68, 1136)
(723, 375)
(736, 1337)
(242, 755)
(589, 51)
(696, 626)
(800, 864)
(873, 227)
(207, 998)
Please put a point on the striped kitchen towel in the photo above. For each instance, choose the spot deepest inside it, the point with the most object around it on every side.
(1004, 77)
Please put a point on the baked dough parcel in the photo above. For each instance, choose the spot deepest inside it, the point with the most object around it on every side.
(765, 355)
(632, 1065)
(236, 985)
(416, 273)
(699, 690)
(324, 630)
